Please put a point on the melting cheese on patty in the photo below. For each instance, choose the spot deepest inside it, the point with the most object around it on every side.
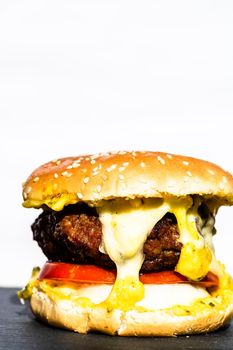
(126, 225)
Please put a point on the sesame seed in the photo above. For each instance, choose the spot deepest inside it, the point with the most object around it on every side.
(28, 190)
(122, 152)
(221, 186)
(87, 158)
(93, 161)
(125, 164)
(75, 165)
(169, 156)
(123, 186)
(121, 177)
(98, 167)
(121, 169)
(151, 191)
(95, 173)
(79, 195)
(86, 179)
(134, 154)
(95, 195)
(69, 167)
(55, 175)
(25, 195)
(171, 184)
(98, 188)
(143, 181)
(210, 171)
(84, 170)
(161, 160)
(189, 173)
(185, 163)
(104, 154)
(112, 167)
(94, 156)
(56, 161)
(224, 179)
(66, 174)
(142, 164)
(104, 177)
(36, 179)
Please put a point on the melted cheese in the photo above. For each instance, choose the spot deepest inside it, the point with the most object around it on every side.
(126, 225)
(156, 296)
(56, 203)
(196, 254)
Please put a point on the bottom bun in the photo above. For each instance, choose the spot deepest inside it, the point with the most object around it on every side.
(204, 315)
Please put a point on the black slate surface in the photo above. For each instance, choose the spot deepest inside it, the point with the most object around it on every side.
(19, 330)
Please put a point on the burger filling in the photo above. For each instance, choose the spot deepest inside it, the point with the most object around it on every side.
(169, 232)
(127, 254)
(131, 236)
(74, 235)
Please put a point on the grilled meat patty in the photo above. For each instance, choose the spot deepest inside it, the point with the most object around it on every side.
(74, 234)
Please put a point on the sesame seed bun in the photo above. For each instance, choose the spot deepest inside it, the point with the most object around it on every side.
(92, 178)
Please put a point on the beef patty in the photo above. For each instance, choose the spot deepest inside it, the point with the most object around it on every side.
(74, 234)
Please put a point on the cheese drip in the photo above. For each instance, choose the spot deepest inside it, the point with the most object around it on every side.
(126, 225)
(196, 254)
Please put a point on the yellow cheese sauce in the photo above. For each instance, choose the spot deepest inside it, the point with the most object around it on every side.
(126, 225)
(196, 254)
(56, 203)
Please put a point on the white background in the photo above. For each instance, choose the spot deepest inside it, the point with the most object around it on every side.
(87, 76)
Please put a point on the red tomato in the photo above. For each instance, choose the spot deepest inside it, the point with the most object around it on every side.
(77, 273)
(97, 275)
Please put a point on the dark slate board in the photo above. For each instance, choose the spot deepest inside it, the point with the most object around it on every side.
(19, 330)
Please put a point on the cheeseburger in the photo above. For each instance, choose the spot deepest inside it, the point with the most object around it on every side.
(128, 241)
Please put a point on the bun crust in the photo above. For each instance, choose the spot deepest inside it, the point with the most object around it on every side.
(67, 314)
(92, 178)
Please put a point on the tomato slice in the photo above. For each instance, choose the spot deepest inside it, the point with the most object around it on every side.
(97, 275)
(169, 277)
(77, 273)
